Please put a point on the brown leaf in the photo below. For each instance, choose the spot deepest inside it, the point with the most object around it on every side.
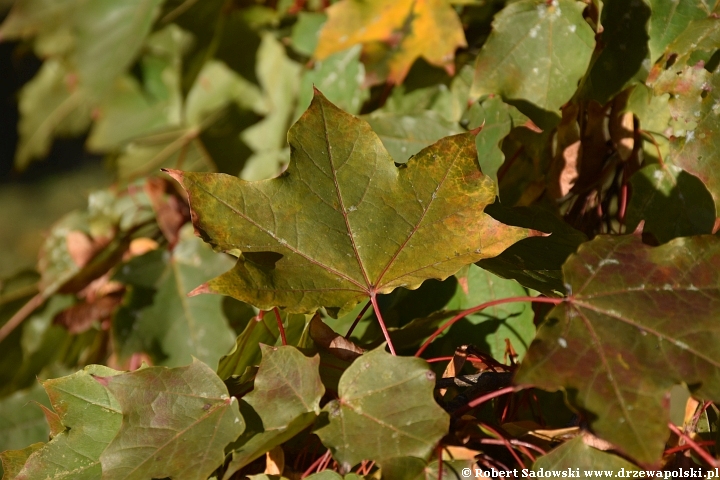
(569, 173)
(52, 418)
(275, 461)
(564, 169)
(171, 213)
(80, 247)
(80, 317)
(140, 246)
(336, 344)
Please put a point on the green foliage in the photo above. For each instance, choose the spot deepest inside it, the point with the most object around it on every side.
(521, 194)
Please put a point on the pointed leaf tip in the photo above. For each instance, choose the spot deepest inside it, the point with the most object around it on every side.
(177, 175)
(204, 288)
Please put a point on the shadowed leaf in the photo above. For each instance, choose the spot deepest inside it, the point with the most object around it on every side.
(285, 401)
(672, 202)
(405, 135)
(180, 327)
(616, 344)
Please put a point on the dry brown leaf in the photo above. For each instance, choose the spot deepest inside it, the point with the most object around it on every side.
(80, 247)
(622, 132)
(275, 461)
(569, 173)
(336, 344)
(461, 453)
(80, 317)
(171, 213)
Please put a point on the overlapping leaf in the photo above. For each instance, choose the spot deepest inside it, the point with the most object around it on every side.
(91, 417)
(385, 410)
(618, 342)
(535, 262)
(175, 423)
(412, 468)
(672, 202)
(696, 109)
(576, 453)
(100, 40)
(21, 420)
(669, 19)
(496, 119)
(381, 227)
(405, 135)
(623, 58)
(340, 76)
(175, 328)
(411, 28)
(285, 401)
(537, 51)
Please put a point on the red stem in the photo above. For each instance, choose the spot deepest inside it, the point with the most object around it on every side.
(357, 320)
(447, 359)
(315, 464)
(702, 453)
(506, 443)
(680, 448)
(623, 200)
(280, 325)
(464, 313)
(485, 398)
(373, 299)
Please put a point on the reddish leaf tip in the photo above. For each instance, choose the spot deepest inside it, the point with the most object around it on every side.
(176, 174)
(537, 233)
(639, 229)
(477, 130)
(104, 381)
(204, 288)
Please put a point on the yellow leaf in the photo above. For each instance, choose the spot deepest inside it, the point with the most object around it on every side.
(411, 28)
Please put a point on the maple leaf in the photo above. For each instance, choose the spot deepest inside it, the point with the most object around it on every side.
(343, 222)
(623, 337)
(412, 28)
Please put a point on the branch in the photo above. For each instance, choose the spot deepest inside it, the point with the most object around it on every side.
(21, 315)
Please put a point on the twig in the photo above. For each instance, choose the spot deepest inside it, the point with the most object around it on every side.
(280, 325)
(702, 453)
(21, 315)
(357, 320)
(469, 311)
(373, 299)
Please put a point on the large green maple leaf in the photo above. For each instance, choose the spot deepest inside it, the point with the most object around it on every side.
(638, 320)
(344, 222)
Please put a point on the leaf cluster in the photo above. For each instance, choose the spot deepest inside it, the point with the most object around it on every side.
(393, 240)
